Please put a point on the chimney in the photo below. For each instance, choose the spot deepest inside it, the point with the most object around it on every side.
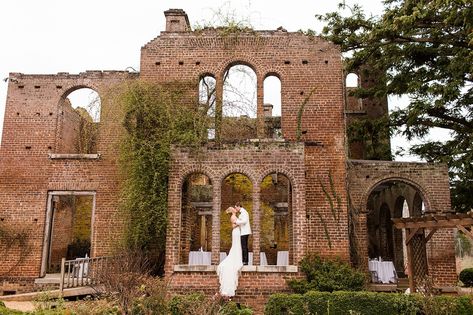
(177, 21)
(268, 110)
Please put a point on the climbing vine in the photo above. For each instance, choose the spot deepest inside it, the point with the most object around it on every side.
(335, 203)
(155, 118)
(299, 114)
(14, 238)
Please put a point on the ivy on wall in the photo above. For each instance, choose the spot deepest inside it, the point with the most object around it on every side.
(155, 117)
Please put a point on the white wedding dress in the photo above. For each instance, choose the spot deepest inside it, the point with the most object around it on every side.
(229, 268)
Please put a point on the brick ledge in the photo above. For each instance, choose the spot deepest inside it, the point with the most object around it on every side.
(213, 268)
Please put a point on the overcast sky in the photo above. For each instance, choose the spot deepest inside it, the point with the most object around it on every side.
(51, 36)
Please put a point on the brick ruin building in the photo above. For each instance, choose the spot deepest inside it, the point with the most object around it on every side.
(308, 190)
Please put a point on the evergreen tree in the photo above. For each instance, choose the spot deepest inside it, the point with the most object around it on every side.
(425, 47)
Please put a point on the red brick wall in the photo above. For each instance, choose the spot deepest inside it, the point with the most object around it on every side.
(431, 181)
(304, 65)
(27, 174)
(254, 288)
(255, 161)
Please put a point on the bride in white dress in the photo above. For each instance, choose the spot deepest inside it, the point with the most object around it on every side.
(229, 268)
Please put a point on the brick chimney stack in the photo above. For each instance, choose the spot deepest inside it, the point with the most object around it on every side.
(268, 110)
(177, 21)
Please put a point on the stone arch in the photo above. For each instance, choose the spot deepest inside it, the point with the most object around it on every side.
(196, 169)
(384, 200)
(275, 73)
(77, 86)
(224, 173)
(423, 193)
(207, 73)
(245, 61)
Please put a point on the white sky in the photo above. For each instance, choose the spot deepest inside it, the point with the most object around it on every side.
(51, 36)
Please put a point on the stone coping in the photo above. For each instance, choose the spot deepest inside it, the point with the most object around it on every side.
(74, 156)
(213, 268)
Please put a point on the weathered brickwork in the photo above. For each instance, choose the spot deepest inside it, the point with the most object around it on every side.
(313, 156)
(27, 174)
(431, 181)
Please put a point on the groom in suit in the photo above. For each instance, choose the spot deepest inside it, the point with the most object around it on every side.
(245, 229)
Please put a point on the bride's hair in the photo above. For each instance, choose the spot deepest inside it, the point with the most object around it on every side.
(229, 210)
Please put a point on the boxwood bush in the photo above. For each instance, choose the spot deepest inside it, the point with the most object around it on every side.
(327, 275)
(366, 303)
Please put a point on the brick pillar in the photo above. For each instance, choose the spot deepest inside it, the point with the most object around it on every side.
(362, 238)
(218, 108)
(260, 108)
(256, 226)
(216, 204)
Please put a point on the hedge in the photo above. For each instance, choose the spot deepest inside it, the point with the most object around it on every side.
(366, 303)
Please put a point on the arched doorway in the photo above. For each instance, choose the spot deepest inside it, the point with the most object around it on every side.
(395, 199)
(236, 188)
(196, 220)
(276, 219)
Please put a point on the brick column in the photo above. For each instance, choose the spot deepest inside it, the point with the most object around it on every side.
(216, 204)
(259, 108)
(256, 225)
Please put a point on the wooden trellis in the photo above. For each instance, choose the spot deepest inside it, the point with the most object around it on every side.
(416, 239)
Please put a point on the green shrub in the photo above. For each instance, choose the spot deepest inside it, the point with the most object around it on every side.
(282, 304)
(327, 275)
(366, 303)
(231, 308)
(180, 303)
(198, 303)
(439, 305)
(466, 276)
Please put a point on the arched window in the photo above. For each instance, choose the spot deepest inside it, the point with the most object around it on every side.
(352, 80)
(196, 220)
(276, 219)
(78, 121)
(239, 107)
(236, 187)
(239, 92)
(272, 95)
(207, 100)
(272, 106)
(207, 95)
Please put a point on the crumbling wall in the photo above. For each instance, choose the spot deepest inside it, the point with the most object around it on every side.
(31, 166)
